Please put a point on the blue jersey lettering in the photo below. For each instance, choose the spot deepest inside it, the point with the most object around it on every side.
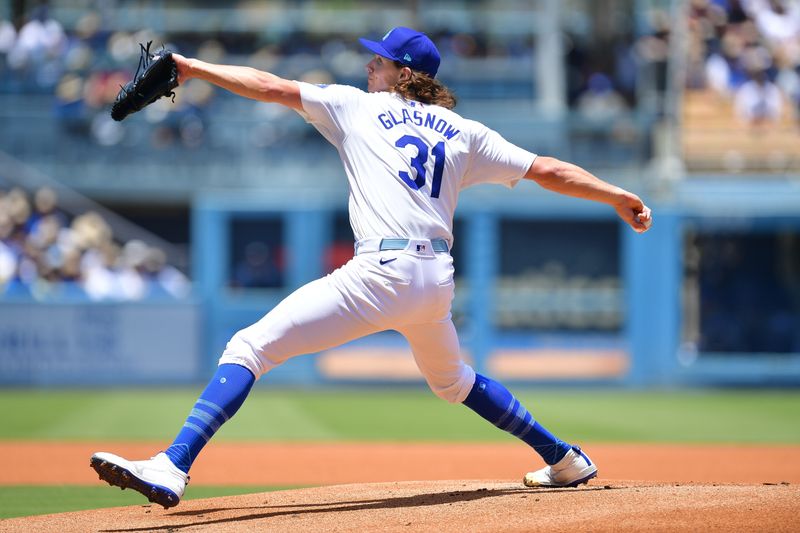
(450, 132)
(383, 119)
(389, 120)
(394, 119)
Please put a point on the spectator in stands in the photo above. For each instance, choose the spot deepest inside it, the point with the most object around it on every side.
(724, 71)
(8, 255)
(12, 238)
(38, 48)
(132, 283)
(600, 101)
(778, 21)
(70, 108)
(17, 206)
(98, 266)
(100, 256)
(758, 102)
(45, 206)
(736, 12)
(163, 278)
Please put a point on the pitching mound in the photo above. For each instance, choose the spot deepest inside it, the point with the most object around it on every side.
(456, 506)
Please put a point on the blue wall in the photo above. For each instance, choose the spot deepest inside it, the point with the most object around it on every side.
(648, 350)
(652, 270)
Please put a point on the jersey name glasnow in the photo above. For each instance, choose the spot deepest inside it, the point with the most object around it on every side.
(426, 120)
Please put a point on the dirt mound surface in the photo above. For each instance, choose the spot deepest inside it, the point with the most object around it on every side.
(456, 506)
(293, 464)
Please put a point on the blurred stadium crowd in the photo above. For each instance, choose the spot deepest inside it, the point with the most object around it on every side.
(83, 66)
(747, 51)
(46, 254)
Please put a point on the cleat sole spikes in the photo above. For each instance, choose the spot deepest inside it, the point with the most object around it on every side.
(119, 477)
(584, 481)
(574, 484)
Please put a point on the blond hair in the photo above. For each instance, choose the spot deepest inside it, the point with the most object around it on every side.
(420, 87)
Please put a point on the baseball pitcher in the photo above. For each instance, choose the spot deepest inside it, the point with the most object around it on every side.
(407, 155)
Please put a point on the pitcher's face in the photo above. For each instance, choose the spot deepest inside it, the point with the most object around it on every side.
(382, 74)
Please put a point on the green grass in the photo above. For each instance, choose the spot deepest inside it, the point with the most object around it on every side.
(758, 417)
(407, 415)
(32, 500)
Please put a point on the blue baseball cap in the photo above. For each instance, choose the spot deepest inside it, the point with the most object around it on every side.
(410, 47)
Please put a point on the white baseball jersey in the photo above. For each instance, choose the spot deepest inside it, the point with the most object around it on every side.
(405, 161)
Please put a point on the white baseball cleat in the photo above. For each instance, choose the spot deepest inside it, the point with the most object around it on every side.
(156, 478)
(574, 469)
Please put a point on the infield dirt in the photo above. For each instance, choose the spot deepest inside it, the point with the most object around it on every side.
(640, 488)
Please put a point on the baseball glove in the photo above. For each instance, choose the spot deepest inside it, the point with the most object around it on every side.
(159, 75)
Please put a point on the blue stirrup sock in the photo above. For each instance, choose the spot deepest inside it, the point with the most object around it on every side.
(496, 404)
(223, 396)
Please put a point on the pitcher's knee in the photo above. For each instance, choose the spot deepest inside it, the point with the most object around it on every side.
(241, 351)
(453, 389)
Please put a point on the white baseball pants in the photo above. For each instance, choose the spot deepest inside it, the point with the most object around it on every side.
(409, 291)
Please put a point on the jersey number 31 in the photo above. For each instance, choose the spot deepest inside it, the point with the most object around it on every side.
(419, 161)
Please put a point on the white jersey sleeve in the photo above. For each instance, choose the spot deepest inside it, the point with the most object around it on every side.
(493, 159)
(325, 108)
